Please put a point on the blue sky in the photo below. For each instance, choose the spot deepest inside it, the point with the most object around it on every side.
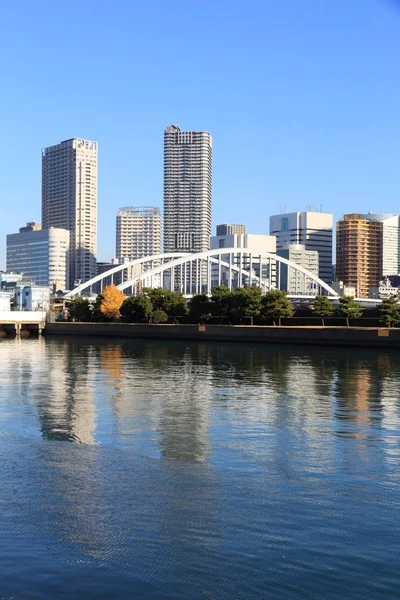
(302, 98)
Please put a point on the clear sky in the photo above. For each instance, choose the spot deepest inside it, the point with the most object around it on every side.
(302, 98)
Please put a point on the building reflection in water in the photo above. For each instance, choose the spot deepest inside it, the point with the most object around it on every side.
(272, 408)
(67, 411)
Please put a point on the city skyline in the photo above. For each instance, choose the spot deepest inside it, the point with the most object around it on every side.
(306, 122)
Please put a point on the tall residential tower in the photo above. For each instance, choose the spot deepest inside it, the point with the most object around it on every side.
(187, 190)
(138, 232)
(69, 201)
(359, 240)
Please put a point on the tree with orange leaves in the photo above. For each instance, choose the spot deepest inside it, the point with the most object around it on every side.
(111, 302)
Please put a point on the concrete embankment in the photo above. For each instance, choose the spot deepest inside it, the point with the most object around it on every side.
(371, 337)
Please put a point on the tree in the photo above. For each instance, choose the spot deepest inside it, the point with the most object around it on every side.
(275, 305)
(172, 303)
(349, 309)
(112, 299)
(389, 311)
(79, 309)
(221, 297)
(246, 302)
(323, 308)
(159, 316)
(136, 309)
(199, 308)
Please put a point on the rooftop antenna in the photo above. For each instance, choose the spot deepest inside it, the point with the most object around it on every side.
(283, 208)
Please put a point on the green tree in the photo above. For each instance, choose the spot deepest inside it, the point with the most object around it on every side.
(389, 311)
(275, 305)
(136, 309)
(323, 308)
(246, 302)
(159, 316)
(80, 309)
(200, 308)
(349, 309)
(172, 303)
(221, 297)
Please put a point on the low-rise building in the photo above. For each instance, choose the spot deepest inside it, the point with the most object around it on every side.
(344, 290)
(385, 289)
(32, 297)
(5, 301)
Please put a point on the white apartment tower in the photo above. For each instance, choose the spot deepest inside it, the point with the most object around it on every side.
(187, 190)
(390, 242)
(311, 229)
(138, 232)
(69, 201)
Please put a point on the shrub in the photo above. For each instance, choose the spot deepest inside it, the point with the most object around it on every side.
(159, 316)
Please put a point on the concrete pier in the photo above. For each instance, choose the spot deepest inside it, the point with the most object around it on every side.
(371, 337)
(22, 323)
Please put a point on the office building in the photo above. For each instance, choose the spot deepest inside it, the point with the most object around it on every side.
(40, 254)
(293, 281)
(359, 252)
(230, 229)
(69, 201)
(138, 232)
(310, 229)
(187, 190)
(258, 244)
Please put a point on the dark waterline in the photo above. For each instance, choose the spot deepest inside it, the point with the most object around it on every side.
(198, 471)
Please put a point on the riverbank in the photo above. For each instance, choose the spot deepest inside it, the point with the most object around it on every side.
(370, 337)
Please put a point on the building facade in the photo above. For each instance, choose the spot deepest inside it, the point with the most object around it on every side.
(187, 190)
(293, 281)
(359, 252)
(390, 242)
(69, 201)
(41, 255)
(310, 229)
(138, 232)
(230, 229)
(258, 244)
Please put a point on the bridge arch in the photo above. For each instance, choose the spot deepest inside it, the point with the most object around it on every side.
(194, 273)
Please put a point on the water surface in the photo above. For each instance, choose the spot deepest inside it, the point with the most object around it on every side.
(197, 471)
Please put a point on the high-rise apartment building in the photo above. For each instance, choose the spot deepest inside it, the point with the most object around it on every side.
(69, 201)
(187, 190)
(230, 229)
(390, 242)
(359, 252)
(311, 229)
(138, 232)
(40, 254)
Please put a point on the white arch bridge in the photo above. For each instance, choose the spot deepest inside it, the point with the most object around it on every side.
(194, 273)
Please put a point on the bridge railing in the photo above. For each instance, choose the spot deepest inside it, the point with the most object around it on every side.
(21, 316)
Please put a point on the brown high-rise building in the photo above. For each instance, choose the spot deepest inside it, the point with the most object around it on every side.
(359, 252)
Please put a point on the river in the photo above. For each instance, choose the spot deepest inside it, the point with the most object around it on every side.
(183, 470)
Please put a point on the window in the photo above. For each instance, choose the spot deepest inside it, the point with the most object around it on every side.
(285, 224)
(222, 243)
